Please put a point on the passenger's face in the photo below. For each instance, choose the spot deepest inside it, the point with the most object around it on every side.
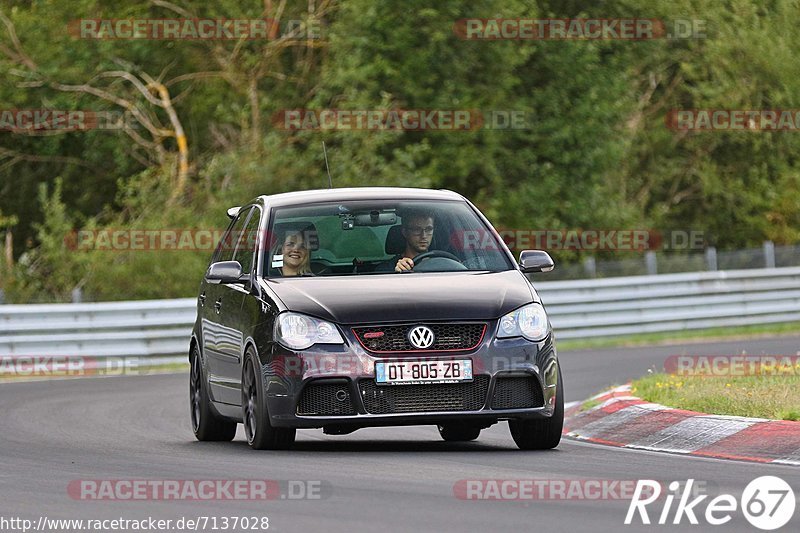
(418, 233)
(294, 250)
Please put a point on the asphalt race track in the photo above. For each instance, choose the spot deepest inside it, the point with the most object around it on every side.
(395, 479)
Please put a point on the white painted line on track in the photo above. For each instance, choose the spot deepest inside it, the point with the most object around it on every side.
(609, 422)
(791, 459)
(691, 434)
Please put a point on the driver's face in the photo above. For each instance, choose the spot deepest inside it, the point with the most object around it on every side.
(418, 233)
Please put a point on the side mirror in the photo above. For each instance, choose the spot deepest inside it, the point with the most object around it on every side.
(224, 272)
(535, 261)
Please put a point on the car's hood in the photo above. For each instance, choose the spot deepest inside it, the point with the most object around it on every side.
(399, 297)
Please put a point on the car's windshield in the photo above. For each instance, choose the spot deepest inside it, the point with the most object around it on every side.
(370, 237)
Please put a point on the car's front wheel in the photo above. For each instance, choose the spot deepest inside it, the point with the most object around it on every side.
(205, 424)
(458, 433)
(541, 434)
(260, 433)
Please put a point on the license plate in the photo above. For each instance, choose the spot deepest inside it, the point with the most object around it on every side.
(419, 372)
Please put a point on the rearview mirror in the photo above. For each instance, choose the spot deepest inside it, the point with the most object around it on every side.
(372, 219)
(224, 272)
(535, 261)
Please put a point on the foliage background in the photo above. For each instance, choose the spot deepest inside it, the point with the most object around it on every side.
(597, 153)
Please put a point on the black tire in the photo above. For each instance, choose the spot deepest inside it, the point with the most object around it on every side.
(459, 433)
(206, 425)
(544, 433)
(260, 433)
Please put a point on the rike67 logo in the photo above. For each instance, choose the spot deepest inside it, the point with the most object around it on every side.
(767, 502)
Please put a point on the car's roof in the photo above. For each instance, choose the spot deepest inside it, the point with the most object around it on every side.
(358, 193)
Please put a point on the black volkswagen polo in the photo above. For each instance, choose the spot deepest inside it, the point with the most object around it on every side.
(348, 308)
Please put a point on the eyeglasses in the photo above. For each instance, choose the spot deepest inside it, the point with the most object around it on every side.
(418, 232)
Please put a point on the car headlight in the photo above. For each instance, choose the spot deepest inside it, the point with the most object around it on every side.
(298, 332)
(529, 322)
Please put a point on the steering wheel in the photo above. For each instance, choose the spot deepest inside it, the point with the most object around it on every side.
(434, 253)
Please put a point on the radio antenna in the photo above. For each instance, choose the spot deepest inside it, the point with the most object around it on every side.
(325, 152)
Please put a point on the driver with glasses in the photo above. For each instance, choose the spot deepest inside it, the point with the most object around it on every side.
(418, 233)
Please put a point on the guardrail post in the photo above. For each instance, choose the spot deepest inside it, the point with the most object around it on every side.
(769, 254)
(77, 295)
(2, 297)
(711, 258)
(651, 262)
(590, 267)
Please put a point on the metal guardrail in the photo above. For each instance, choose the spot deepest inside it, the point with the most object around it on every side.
(671, 302)
(156, 329)
(111, 329)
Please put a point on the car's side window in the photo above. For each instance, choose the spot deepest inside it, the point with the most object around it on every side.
(246, 247)
(231, 238)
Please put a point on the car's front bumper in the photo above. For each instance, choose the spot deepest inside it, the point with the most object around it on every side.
(348, 373)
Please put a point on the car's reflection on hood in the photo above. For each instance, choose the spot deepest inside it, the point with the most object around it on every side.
(399, 297)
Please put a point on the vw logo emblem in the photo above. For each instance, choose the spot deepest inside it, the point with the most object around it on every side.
(421, 337)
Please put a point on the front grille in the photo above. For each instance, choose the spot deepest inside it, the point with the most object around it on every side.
(517, 393)
(319, 399)
(447, 337)
(380, 400)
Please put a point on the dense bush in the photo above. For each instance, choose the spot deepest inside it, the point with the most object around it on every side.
(596, 152)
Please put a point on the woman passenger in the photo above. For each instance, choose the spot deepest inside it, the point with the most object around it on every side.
(296, 257)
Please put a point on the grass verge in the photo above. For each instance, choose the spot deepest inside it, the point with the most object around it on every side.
(671, 337)
(774, 397)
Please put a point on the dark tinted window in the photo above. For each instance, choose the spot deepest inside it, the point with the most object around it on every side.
(231, 238)
(246, 247)
(365, 237)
